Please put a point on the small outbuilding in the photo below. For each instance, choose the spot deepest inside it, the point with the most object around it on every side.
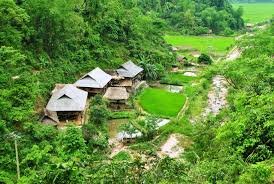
(181, 59)
(49, 118)
(130, 74)
(94, 82)
(68, 103)
(117, 97)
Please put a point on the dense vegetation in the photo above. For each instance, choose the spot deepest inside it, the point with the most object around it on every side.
(196, 16)
(46, 42)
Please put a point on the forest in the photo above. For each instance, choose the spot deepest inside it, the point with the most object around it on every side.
(43, 43)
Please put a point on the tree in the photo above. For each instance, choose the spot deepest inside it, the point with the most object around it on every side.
(205, 59)
(13, 20)
(98, 111)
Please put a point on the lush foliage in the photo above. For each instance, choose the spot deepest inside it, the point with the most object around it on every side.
(195, 16)
(47, 42)
(241, 138)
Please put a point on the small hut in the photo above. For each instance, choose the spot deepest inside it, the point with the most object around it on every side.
(181, 59)
(49, 118)
(196, 54)
(68, 103)
(117, 97)
(94, 82)
(130, 74)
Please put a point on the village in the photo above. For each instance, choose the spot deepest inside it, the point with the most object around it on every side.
(131, 100)
(69, 102)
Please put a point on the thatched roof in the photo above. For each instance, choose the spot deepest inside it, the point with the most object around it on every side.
(116, 93)
(129, 69)
(97, 78)
(69, 98)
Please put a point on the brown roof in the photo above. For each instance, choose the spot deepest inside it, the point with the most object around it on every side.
(116, 93)
(124, 83)
(50, 117)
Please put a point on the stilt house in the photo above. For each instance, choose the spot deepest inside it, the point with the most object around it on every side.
(68, 103)
(117, 97)
(130, 74)
(94, 82)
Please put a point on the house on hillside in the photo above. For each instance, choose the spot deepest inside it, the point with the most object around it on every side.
(94, 82)
(117, 96)
(130, 74)
(67, 103)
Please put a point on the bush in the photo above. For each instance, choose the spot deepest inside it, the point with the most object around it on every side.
(205, 59)
(122, 155)
(95, 136)
(122, 114)
(98, 111)
(152, 71)
(257, 173)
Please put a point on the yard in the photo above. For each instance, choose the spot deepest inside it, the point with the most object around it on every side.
(256, 12)
(206, 44)
(161, 102)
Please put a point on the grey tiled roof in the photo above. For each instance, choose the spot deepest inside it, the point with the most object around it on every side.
(69, 98)
(129, 69)
(97, 78)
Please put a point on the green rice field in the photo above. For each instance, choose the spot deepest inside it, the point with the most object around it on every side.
(161, 102)
(206, 44)
(256, 12)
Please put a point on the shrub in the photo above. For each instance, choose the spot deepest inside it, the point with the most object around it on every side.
(205, 59)
(98, 111)
(152, 71)
(122, 155)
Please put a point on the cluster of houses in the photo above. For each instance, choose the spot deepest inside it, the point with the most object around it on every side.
(69, 101)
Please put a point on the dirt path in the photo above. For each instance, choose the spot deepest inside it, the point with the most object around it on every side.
(233, 54)
(216, 96)
(171, 147)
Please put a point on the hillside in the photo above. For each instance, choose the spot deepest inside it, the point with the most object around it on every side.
(121, 91)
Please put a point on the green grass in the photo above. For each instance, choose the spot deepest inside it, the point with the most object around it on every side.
(161, 103)
(256, 12)
(176, 79)
(182, 126)
(122, 156)
(206, 44)
(121, 114)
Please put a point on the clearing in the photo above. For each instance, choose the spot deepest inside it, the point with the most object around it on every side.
(176, 79)
(161, 102)
(206, 44)
(256, 12)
